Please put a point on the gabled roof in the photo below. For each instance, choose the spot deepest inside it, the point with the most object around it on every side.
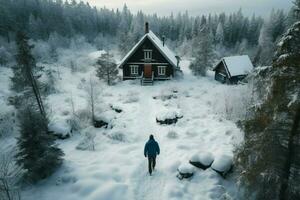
(236, 65)
(164, 50)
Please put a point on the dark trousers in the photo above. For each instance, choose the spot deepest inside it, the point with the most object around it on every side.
(151, 163)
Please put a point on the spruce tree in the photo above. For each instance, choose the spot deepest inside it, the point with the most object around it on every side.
(37, 154)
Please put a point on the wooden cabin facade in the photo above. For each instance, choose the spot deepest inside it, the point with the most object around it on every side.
(232, 70)
(150, 60)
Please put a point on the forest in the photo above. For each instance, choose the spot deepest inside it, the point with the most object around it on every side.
(58, 22)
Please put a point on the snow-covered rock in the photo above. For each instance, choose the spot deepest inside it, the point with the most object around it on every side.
(185, 171)
(202, 160)
(222, 164)
(60, 129)
(169, 117)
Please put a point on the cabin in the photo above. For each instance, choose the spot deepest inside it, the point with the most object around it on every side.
(150, 60)
(232, 70)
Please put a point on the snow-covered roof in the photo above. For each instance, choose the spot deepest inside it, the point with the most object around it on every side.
(164, 50)
(237, 65)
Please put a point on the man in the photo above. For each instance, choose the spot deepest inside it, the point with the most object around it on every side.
(151, 150)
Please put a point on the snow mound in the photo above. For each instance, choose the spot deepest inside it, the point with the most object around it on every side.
(118, 136)
(222, 164)
(172, 135)
(61, 129)
(202, 160)
(131, 97)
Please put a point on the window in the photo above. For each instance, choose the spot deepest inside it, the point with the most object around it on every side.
(134, 69)
(147, 54)
(161, 70)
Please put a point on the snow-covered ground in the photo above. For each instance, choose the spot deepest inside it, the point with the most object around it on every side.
(117, 169)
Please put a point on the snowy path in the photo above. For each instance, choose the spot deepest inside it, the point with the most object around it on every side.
(148, 187)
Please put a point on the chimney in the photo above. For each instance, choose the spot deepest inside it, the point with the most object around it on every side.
(146, 27)
(163, 40)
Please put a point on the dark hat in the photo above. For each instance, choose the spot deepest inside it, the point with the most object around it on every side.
(151, 137)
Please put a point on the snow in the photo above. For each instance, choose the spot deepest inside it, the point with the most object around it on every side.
(169, 55)
(238, 65)
(222, 163)
(116, 168)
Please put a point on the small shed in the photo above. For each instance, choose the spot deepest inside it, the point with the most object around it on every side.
(233, 69)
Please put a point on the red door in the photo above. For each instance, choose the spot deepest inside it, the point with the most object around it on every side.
(148, 70)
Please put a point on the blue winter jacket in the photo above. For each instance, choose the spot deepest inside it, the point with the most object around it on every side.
(151, 148)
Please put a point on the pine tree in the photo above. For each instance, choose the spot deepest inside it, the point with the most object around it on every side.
(107, 68)
(37, 155)
(204, 52)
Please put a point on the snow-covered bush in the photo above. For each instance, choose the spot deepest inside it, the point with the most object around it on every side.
(166, 95)
(88, 142)
(116, 108)
(117, 136)
(202, 160)
(60, 129)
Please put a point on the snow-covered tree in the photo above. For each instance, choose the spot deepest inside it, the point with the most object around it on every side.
(275, 126)
(266, 48)
(107, 68)
(204, 55)
(219, 34)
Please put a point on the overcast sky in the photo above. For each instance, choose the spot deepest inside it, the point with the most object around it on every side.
(196, 7)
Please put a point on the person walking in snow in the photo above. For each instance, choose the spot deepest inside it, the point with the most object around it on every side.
(151, 150)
